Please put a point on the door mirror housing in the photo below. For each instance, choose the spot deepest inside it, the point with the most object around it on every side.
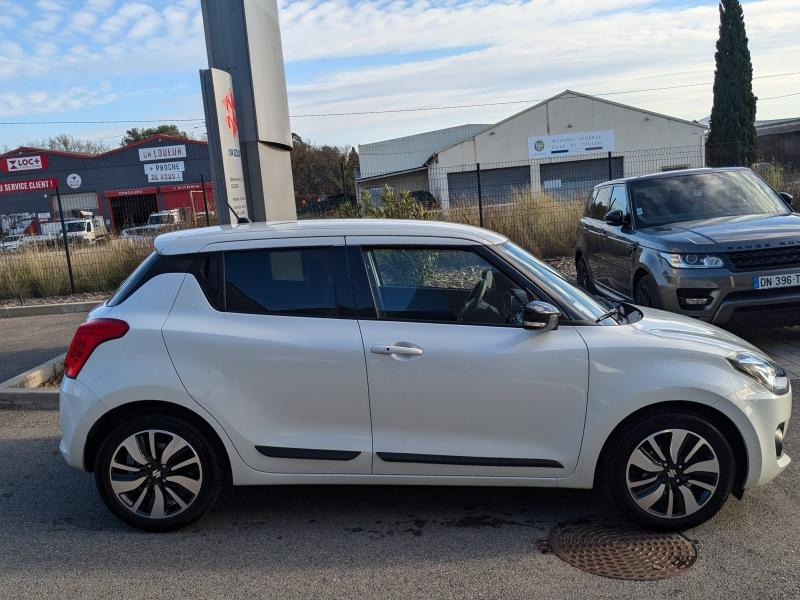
(615, 218)
(540, 316)
(788, 198)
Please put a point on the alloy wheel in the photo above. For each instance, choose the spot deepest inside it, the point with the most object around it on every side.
(155, 474)
(673, 473)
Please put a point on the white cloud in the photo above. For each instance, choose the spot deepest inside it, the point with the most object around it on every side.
(13, 104)
(47, 23)
(84, 21)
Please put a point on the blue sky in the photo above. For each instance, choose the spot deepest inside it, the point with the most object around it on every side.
(139, 59)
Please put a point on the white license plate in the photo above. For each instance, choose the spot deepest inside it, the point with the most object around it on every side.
(765, 282)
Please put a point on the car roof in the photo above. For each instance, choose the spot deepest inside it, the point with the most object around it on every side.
(667, 174)
(194, 240)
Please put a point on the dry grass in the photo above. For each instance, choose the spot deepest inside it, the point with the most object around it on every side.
(41, 271)
(539, 223)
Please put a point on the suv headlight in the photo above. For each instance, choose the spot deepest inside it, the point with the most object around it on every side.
(693, 261)
(764, 371)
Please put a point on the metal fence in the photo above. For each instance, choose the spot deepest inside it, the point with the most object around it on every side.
(90, 241)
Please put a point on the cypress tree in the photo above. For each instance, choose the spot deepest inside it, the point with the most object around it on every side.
(733, 133)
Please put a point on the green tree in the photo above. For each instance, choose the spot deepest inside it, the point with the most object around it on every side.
(733, 134)
(135, 135)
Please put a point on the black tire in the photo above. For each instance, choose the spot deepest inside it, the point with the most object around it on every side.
(583, 276)
(647, 293)
(204, 475)
(616, 471)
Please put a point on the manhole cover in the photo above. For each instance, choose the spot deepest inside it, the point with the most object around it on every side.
(618, 549)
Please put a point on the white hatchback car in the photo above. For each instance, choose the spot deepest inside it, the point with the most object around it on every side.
(399, 352)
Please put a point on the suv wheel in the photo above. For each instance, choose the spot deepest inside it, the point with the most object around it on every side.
(646, 292)
(582, 275)
(158, 473)
(670, 471)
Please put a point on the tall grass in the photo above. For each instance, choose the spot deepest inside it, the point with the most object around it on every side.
(38, 271)
(539, 223)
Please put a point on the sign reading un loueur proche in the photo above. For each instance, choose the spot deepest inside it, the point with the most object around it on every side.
(162, 152)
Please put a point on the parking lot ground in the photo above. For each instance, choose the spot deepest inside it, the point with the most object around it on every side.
(782, 343)
(57, 540)
(29, 341)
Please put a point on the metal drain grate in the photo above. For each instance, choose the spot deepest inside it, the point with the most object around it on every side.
(618, 549)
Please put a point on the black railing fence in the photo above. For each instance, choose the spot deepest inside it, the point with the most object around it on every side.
(89, 240)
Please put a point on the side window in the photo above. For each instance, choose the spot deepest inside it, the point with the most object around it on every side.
(290, 281)
(602, 201)
(451, 285)
(619, 200)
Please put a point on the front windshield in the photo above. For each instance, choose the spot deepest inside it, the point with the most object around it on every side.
(588, 307)
(700, 196)
(76, 226)
(159, 220)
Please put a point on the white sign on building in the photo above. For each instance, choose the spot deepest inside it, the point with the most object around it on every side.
(162, 152)
(571, 144)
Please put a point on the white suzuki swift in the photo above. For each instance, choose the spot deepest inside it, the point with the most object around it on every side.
(399, 352)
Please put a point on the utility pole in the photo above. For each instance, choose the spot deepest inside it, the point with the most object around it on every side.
(243, 38)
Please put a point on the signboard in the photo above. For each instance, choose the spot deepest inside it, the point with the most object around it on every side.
(223, 127)
(571, 144)
(162, 152)
(165, 171)
(74, 181)
(24, 163)
(28, 185)
(183, 187)
(132, 192)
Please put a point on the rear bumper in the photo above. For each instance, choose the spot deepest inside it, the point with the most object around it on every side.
(79, 409)
(732, 297)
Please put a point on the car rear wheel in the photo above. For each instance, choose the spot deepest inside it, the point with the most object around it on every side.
(583, 277)
(158, 473)
(647, 293)
(670, 470)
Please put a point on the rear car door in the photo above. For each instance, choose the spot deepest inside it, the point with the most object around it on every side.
(276, 355)
(457, 386)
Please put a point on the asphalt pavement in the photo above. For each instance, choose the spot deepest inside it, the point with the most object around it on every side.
(57, 540)
(26, 342)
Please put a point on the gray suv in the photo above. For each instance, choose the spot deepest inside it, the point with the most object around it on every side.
(717, 244)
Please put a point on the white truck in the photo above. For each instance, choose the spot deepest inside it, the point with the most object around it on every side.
(85, 229)
(158, 223)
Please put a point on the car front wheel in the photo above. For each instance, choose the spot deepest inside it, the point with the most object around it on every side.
(158, 473)
(670, 471)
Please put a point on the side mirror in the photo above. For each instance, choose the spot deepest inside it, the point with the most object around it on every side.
(540, 316)
(788, 198)
(615, 218)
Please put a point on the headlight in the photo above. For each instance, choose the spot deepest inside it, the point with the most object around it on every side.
(693, 261)
(764, 371)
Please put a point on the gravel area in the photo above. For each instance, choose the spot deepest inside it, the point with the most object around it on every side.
(565, 264)
(86, 297)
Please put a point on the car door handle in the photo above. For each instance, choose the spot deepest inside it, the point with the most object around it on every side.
(397, 350)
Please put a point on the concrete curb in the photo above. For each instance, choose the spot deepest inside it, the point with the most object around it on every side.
(47, 309)
(21, 391)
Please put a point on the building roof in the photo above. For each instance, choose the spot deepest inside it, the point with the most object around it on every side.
(195, 240)
(776, 126)
(564, 94)
(147, 140)
(411, 152)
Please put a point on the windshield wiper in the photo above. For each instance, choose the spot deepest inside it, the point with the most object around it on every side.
(614, 312)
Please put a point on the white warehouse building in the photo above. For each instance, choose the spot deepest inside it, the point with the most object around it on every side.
(562, 146)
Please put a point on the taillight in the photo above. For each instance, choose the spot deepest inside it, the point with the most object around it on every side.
(88, 337)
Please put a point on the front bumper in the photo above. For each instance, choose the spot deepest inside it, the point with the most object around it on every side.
(764, 414)
(732, 296)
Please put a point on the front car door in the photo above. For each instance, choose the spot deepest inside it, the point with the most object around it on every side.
(457, 386)
(595, 226)
(279, 361)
